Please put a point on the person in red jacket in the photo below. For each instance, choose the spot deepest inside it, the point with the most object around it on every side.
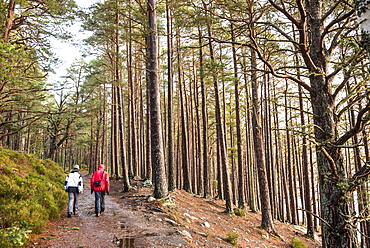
(99, 184)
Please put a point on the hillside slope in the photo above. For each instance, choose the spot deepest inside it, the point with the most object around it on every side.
(31, 192)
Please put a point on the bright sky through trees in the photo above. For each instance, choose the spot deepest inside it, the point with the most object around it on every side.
(67, 51)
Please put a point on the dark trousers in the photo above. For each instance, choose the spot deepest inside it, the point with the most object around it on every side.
(99, 201)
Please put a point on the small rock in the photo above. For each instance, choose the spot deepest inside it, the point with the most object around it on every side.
(172, 222)
(186, 220)
(203, 234)
(151, 199)
(300, 228)
(266, 236)
(168, 204)
(147, 183)
(191, 217)
(186, 234)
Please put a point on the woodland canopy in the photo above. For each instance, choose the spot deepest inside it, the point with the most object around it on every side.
(264, 104)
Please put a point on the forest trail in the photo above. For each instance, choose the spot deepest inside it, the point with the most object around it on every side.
(119, 226)
(131, 221)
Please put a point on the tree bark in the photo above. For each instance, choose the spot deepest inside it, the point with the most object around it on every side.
(9, 21)
(171, 166)
(241, 173)
(335, 207)
(225, 174)
(306, 174)
(159, 173)
(289, 164)
(205, 158)
(185, 164)
(267, 223)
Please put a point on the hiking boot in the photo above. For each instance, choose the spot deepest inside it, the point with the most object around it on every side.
(69, 214)
(97, 214)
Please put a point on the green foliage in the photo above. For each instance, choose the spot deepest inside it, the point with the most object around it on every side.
(361, 7)
(22, 83)
(232, 238)
(16, 236)
(239, 212)
(31, 191)
(296, 243)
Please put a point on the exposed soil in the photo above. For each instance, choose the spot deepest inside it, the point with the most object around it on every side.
(185, 220)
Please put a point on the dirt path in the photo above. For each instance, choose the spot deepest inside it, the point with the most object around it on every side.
(131, 221)
(124, 224)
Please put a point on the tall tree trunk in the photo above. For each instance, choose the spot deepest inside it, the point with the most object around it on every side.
(189, 103)
(114, 132)
(267, 223)
(306, 174)
(159, 173)
(103, 153)
(221, 139)
(198, 134)
(171, 166)
(185, 164)
(205, 158)
(268, 143)
(250, 172)
(335, 207)
(125, 173)
(241, 176)
(121, 126)
(289, 163)
(132, 135)
(148, 149)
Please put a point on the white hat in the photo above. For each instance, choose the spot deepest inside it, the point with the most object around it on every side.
(76, 167)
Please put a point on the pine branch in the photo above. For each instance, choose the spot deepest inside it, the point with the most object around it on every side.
(359, 177)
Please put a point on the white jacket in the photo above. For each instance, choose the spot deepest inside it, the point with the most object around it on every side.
(74, 179)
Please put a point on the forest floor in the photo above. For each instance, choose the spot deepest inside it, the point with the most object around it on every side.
(130, 220)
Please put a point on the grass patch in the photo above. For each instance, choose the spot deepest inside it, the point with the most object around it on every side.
(297, 243)
(239, 212)
(232, 238)
(31, 192)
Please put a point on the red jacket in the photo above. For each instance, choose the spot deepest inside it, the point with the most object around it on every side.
(100, 174)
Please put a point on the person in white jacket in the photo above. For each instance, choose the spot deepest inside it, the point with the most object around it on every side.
(74, 186)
